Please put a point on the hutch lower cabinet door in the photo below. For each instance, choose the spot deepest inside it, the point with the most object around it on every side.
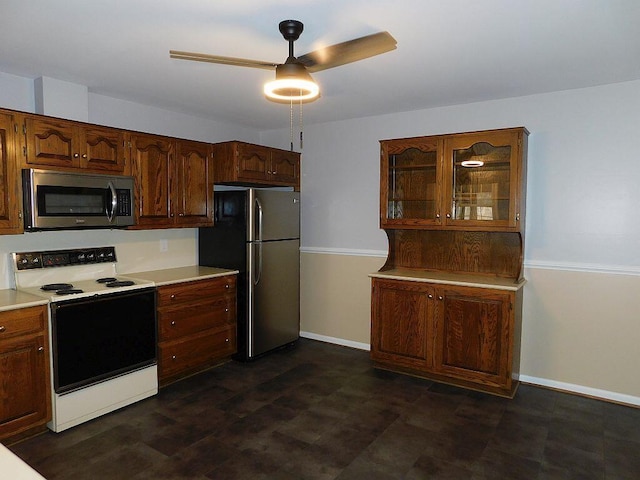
(474, 336)
(401, 327)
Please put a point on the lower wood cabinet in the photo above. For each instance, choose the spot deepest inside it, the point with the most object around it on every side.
(467, 336)
(25, 397)
(196, 325)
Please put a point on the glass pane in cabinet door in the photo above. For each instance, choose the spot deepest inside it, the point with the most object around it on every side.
(481, 182)
(412, 185)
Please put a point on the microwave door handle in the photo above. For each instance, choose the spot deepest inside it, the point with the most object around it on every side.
(114, 203)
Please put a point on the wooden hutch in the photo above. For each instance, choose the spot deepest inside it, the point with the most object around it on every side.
(447, 304)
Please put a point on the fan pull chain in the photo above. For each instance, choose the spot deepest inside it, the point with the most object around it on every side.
(301, 143)
(291, 124)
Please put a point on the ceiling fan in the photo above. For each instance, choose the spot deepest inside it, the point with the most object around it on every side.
(293, 82)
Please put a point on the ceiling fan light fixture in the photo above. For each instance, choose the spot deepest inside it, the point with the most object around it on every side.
(292, 83)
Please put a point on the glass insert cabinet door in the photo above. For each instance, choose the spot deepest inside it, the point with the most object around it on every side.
(411, 190)
(482, 179)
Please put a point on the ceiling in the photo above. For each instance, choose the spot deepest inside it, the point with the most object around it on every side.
(449, 51)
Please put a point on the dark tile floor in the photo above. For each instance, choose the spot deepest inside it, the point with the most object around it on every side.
(320, 411)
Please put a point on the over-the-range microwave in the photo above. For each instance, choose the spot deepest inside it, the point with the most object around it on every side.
(56, 200)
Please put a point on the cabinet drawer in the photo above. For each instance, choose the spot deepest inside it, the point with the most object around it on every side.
(180, 320)
(193, 352)
(193, 291)
(22, 321)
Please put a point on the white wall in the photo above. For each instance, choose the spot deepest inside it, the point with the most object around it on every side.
(583, 172)
(581, 310)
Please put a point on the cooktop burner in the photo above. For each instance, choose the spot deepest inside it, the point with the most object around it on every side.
(106, 279)
(120, 283)
(68, 291)
(56, 286)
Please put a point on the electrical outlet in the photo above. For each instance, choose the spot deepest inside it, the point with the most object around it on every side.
(164, 245)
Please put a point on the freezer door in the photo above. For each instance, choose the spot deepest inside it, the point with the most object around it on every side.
(275, 215)
(274, 296)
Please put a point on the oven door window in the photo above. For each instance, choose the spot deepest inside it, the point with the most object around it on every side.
(58, 201)
(102, 337)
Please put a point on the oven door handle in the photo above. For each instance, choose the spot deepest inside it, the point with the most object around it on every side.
(114, 203)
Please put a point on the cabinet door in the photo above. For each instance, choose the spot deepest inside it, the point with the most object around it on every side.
(285, 167)
(151, 165)
(191, 185)
(10, 206)
(400, 325)
(474, 334)
(410, 183)
(483, 179)
(253, 162)
(103, 149)
(51, 142)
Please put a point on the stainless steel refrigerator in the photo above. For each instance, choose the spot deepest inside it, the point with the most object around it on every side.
(257, 231)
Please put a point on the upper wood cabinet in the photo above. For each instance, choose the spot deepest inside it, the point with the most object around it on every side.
(471, 181)
(173, 182)
(10, 201)
(192, 184)
(50, 142)
(239, 162)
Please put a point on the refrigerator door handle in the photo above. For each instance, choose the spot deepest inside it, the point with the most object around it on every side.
(258, 210)
(257, 271)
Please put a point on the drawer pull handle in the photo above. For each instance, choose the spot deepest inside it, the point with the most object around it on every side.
(2, 328)
(173, 295)
(226, 286)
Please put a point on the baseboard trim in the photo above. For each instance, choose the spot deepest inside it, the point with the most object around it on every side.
(582, 390)
(542, 382)
(336, 341)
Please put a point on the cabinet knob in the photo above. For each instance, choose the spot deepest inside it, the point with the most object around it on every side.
(437, 215)
(226, 309)
(440, 297)
(430, 296)
(173, 322)
(226, 286)
(517, 217)
(173, 357)
(41, 348)
(76, 155)
(2, 328)
(448, 215)
(173, 296)
(226, 340)
(275, 172)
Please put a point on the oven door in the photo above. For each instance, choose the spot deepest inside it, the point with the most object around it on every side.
(102, 337)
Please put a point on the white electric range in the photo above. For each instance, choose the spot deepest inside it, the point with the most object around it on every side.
(102, 331)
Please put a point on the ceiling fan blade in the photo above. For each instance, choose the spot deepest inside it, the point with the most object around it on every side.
(239, 62)
(349, 51)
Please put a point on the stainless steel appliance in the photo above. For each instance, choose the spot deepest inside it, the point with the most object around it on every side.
(257, 232)
(102, 331)
(57, 200)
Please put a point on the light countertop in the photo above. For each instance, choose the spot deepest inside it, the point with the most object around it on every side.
(192, 273)
(13, 299)
(444, 278)
(11, 466)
